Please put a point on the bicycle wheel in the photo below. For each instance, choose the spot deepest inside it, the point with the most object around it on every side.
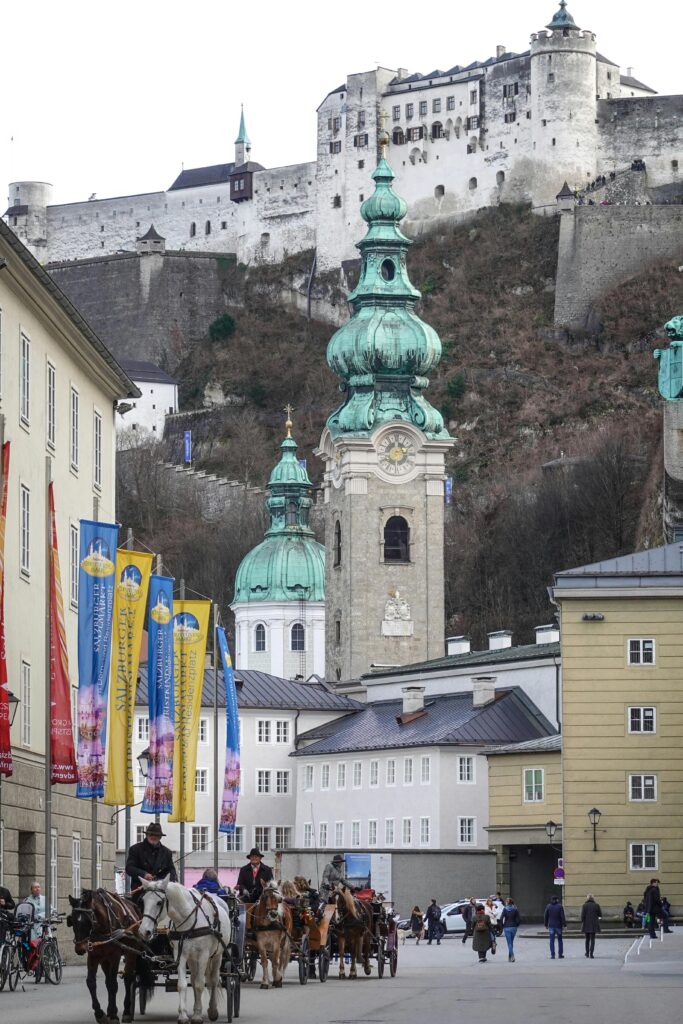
(51, 962)
(14, 969)
(5, 954)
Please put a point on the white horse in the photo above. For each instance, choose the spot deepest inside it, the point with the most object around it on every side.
(189, 911)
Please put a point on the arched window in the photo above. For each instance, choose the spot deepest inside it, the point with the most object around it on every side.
(396, 540)
(439, 191)
(337, 543)
(207, 228)
(473, 184)
(260, 637)
(437, 130)
(193, 229)
(500, 177)
(298, 637)
(291, 513)
(397, 137)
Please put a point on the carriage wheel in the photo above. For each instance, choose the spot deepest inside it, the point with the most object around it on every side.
(380, 958)
(324, 957)
(393, 962)
(303, 960)
(236, 995)
(230, 993)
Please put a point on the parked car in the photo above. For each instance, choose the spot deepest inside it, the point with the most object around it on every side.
(451, 917)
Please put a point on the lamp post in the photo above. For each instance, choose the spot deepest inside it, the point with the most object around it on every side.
(143, 761)
(12, 708)
(594, 816)
(550, 830)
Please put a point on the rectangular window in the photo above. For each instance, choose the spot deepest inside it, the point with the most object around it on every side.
(374, 773)
(473, 95)
(408, 771)
(361, 119)
(424, 832)
(423, 108)
(388, 831)
(396, 113)
(25, 704)
(201, 780)
(410, 110)
(235, 840)
(339, 834)
(641, 719)
(76, 862)
(341, 775)
(472, 124)
(143, 729)
(425, 769)
(282, 731)
(466, 769)
(262, 837)
(140, 833)
(263, 730)
(336, 124)
(372, 832)
(322, 834)
(98, 862)
(391, 772)
(642, 787)
(510, 90)
(50, 427)
(54, 879)
(641, 652)
(25, 381)
(203, 730)
(73, 565)
(450, 103)
(355, 833)
(357, 774)
(283, 837)
(533, 785)
(25, 530)
(282, 782)
(324, 776)
(97, 451)
(308, 777)
(510, 117)
(74, 429)
(407, 831)
(308, 835)
(262, 781)
(199, 838)
(551, 78)
(436, 106)
(467, 831)
(643, 856)
(335, 147)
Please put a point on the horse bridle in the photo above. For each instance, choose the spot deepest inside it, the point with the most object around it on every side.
(163, 903)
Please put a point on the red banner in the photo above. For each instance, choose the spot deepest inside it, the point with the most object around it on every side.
(5, 741)
(63, 759)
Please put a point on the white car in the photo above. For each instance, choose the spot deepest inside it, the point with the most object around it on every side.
(451, 914)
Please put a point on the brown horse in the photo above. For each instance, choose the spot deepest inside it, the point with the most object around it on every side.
(271, 922)
(102, 923)
(353, 927)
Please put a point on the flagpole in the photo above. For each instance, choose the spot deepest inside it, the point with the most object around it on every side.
(158, 568)
(49, 895)
(93, 803)
(129, 753)
(2, 482)
(181, 859)
(215, 737)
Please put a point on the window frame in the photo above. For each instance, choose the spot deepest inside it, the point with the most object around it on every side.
(196, 832)
(76, 849)
(283, 837)
(533, 799)
(323, 834)
(203, 731)
(97, 450)
(307, 839)
(297, 626)
(643, 867)
(24, 380)
(373, 773)
(339, 833)
(74, 564)
(262, 841)
(282, 731)
(389, 831)
(406, 830)
(74, 428)
(390, 780)
(340, 773)
(641, 650)
(50, 406)
(142, 728)
(372, 831)
(201, 773)
(24, 530)
(234, 841)
(263, 731)
(357, 775)
(467, 818)
(642, 776)
(264, 782)
(641, 708)
(325, 777)
(309, 778)
(355, 833)
(408, 771)
(25, 698)
(425, 832)
(466, 759)
(283, 782)
(425, 778)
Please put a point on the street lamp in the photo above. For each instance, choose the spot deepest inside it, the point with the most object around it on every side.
(594, 816)
(13, 707)
(143, 761)
(550, 829)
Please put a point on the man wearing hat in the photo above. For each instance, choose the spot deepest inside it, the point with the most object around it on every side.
(252, 875)
(333, 875)
(150, 859)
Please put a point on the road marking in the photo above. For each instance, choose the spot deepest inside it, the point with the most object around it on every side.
(630, 950)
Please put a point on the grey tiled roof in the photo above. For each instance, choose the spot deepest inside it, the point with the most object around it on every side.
(450, 719)
(458, 68)
(261, 690)
(633, 83)
(525, 652)
(137, 369)
(538, 746)
(666, 560)
(193, 177)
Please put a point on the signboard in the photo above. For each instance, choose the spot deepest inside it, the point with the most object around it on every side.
(187, 446)
(380, 873)
(558, 873)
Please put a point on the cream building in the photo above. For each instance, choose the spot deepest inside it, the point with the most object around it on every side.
(58, 391)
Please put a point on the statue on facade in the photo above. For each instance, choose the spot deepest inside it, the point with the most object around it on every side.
(671, 361)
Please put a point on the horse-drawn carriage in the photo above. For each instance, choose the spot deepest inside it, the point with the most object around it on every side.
(364, 928)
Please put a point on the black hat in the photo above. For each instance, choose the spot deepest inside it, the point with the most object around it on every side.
(255, 852)
(337, 859)
(154, 829)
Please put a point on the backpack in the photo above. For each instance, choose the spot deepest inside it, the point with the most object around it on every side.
(481, 925)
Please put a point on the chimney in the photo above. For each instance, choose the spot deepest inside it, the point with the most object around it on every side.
(547, 634)
(483, 690)
(402, 73)
(500, 50)
(413, 699)
(629, 72)
(458, 645)
(500, 639)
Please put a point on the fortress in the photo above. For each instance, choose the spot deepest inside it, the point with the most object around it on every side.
(513, 128)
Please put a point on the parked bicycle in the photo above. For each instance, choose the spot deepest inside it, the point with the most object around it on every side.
(22, 956)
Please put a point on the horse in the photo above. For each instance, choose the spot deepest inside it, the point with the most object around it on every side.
(205, 920)
(100, 921)
(353, 925)
(271, 921)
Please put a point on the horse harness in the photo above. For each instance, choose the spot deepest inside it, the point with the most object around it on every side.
(192, 932)
(117, 929)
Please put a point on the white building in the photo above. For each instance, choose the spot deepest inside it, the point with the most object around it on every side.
(142, 419)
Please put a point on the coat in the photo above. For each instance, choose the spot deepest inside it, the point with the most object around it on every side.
(590, 917)
(209, 885)
(145, 859)
(6, 897)
(652, 900)
(510, 917)
(433, 914)
(332, 875)
(250, 886)
(481, 940)
(554, 916)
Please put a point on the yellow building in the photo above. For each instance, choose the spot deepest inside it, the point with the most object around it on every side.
(525, 814)
(622, 721)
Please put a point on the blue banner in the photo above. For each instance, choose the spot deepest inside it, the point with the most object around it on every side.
(187, 446)
(231, 781)
(96, 579)
(160, 690)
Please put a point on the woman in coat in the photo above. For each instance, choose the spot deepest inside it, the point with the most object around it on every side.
(416, 925)
(482, 938)
(510, 921)
(590, 923)
(494, 912)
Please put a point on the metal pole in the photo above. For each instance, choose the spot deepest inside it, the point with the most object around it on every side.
(49, 895)
(158, 569)
(93, 802)
(126, 819)
(216, 792)
(181, 859)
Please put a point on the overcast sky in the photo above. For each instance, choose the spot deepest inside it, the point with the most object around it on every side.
(113, 98)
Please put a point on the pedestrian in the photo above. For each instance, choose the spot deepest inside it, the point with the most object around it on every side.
(416, 925)
(629, 915)
(433, 916)
(482, 940)
(555, 921)
(467, 913)
(652, 902)
(37, 900)
(590, 923)
(510, 922)
(493, 912)
(666, 914)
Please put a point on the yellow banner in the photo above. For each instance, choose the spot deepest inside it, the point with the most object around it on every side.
(190, 629)
(133, 570)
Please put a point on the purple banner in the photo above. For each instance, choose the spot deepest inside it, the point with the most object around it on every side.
(231, 781)
(160, 690)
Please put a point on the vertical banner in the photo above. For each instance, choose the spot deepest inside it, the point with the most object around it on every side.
(63, 758)
(187, 446)
(133, 570)
(231, 779)
(159, 789)
(6, 765)
(190, 629)
(96, 579)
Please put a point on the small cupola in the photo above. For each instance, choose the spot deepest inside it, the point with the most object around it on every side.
(151, 241)
(562, 19)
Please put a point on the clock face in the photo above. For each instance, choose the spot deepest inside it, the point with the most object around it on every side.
(396, 453)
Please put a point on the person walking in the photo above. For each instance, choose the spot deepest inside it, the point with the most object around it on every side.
(652, 902)
(416, 925)
(482, 940)
(666, 914)
(555, 921)
(510, 922)
(590, 923)
(467, 914)
(494, 910)
(433, 916)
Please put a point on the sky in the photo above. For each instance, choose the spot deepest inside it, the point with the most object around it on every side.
(114, 99)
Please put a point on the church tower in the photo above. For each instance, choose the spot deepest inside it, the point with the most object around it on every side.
(242, 144)
(384, 450)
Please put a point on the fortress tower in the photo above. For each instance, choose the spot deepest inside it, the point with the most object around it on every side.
(27, 213)
(242, 144)
(564, 135)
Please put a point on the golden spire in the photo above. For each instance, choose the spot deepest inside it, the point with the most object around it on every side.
(289, 410)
